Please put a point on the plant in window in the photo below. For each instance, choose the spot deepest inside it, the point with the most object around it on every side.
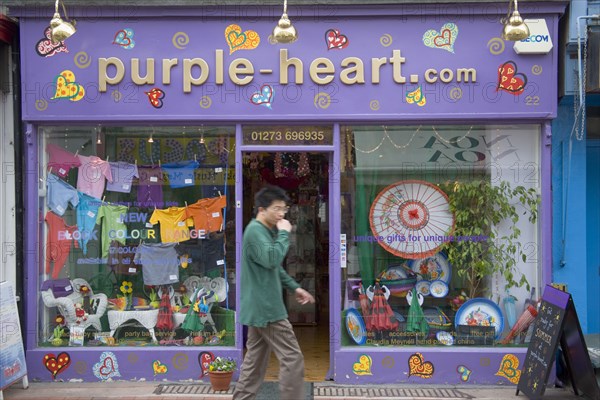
(480, 248)
(154, 301)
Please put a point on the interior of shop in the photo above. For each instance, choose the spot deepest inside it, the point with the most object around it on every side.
(305, 178)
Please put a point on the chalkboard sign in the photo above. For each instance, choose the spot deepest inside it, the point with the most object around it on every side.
(12, 356)
(557, 322)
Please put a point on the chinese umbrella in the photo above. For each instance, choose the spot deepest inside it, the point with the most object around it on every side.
(165, 313)
(522, 323)
(381, 316)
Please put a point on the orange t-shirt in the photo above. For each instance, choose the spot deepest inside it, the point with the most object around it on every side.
(207, 214)
(174, 226)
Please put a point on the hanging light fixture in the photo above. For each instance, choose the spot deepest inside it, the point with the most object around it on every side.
(515, 28)
(61, 29)
(150, 140)
(284, 32)
(98, 135)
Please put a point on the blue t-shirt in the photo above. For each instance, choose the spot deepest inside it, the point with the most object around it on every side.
(87, 212)
(60, 194)
(181, 173)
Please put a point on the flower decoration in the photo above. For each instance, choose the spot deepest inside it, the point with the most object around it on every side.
(127, 288)
(222, 364)
(84, 290)
(458, 301)
(59, 319)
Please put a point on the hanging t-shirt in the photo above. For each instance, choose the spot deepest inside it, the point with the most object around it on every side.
(207, 213)
(201, 256)
(113, 228)
(139, 226)
(92, 175)
(60, 160)
(122, 176)
(174, 226)
(59, 194)
(122, 258)
(58, 243)
(181, 173)
(159, 263)
(150, 193)
(87, 211)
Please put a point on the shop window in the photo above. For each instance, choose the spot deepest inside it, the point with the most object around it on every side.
(137, 237)
(428, 261)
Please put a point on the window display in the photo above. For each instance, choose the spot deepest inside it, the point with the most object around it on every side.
(135, 226)
(441, 226)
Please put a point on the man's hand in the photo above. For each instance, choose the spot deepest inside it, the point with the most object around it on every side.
(284, 224)
(303, 297)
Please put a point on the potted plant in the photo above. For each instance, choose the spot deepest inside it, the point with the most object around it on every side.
(479, 208)
(220, 372)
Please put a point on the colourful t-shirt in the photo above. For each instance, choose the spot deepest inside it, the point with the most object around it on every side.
(58, 243)
(182, 173)
(207, 213)
(150, 193)
(174, 226)
(113, 228)
(122, 176)
(159, 263)
(92, 175)
(60, 161)
(60, 194)
(87, 213)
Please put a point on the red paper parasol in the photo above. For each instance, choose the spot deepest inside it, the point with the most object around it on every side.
(412, 217)
(381, 316)
(165, 313)
(522, 323)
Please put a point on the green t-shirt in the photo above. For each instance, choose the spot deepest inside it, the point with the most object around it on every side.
(263, 278)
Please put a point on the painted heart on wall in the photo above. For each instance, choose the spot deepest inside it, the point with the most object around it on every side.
(56, 364)
(45, 47)
(509, 368)
(363, 366)
(155, 97)
(416, 97)
(159, 368)
(124, 38)
(107, 367)
(263, 97)
(238, 40)
(204, 359)
(417, 366)
(67, 87)
(510, 80)
(463, 372)
(335, 40)
(444, 39)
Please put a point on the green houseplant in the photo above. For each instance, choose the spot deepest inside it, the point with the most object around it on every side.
(220, 372)
(479, 208)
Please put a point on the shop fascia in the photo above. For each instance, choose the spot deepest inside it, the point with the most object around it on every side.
(241, 71)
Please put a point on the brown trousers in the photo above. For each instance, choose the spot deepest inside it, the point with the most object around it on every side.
(280, 338)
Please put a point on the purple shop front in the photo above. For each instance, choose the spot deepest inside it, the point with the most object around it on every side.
(366, 101)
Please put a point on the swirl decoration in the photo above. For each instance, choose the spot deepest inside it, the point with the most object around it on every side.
(496, 46)
(82, 59)
(374, 105)
(180, 361)
(133, 358)
(386, 40)
(322, 100)
(116, 96)
(205, 102)
(455, 94)
(180, 40)
(80, 367)
(536, 69)
(41, 105)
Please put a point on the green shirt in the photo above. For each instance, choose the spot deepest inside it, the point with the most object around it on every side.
(263, 277)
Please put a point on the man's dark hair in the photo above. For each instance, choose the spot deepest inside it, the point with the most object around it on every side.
(267, 195)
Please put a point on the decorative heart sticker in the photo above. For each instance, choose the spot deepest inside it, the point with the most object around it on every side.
(463, 372)
(204, 359)
(263, 97)
(363, 366)
(417, 366)
(335, 40)
(155, 97)
(159, 368)
(107, 367)
(417, 97)
(57, 364)
(124, 38)
(444, 39)
(509, 80)
(508, 368)
(238, 40)
(45, 47)
(67, 88)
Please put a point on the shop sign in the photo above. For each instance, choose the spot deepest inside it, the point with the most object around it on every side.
(539, 40)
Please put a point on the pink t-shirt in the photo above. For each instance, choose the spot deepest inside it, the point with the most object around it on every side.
(60, 160)
(92, 175)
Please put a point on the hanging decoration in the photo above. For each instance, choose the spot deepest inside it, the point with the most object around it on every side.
(46, 48)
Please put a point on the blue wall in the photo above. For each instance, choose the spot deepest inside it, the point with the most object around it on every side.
(593, 231)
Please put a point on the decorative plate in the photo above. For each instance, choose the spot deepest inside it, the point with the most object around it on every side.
(481, 312)
(413, 217)
(399, 279)
(445, 338)
(436, 318)
(423, 288)
(356, 326)
(438, 288)
(432, 268)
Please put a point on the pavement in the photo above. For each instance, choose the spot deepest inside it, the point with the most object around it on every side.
(139, 390)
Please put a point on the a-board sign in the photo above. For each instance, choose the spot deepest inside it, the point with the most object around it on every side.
(12, 355)
(556, 323)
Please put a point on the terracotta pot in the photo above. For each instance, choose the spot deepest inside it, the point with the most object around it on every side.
(220, 380)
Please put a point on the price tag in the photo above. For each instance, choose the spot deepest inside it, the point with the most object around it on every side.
(153, 179)
(218, 169)
(132, 270)
(125, 187)
(91, 214)
(188, 181)
(62, 171)
(216, 215)
(220, 262)
(149, 225)
(173, 277)
(60, 209)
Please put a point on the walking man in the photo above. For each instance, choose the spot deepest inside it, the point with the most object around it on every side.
(264, 246)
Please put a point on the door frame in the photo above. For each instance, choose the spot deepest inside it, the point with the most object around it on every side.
(333, 152)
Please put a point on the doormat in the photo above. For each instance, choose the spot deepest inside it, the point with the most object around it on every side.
(268, 390)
